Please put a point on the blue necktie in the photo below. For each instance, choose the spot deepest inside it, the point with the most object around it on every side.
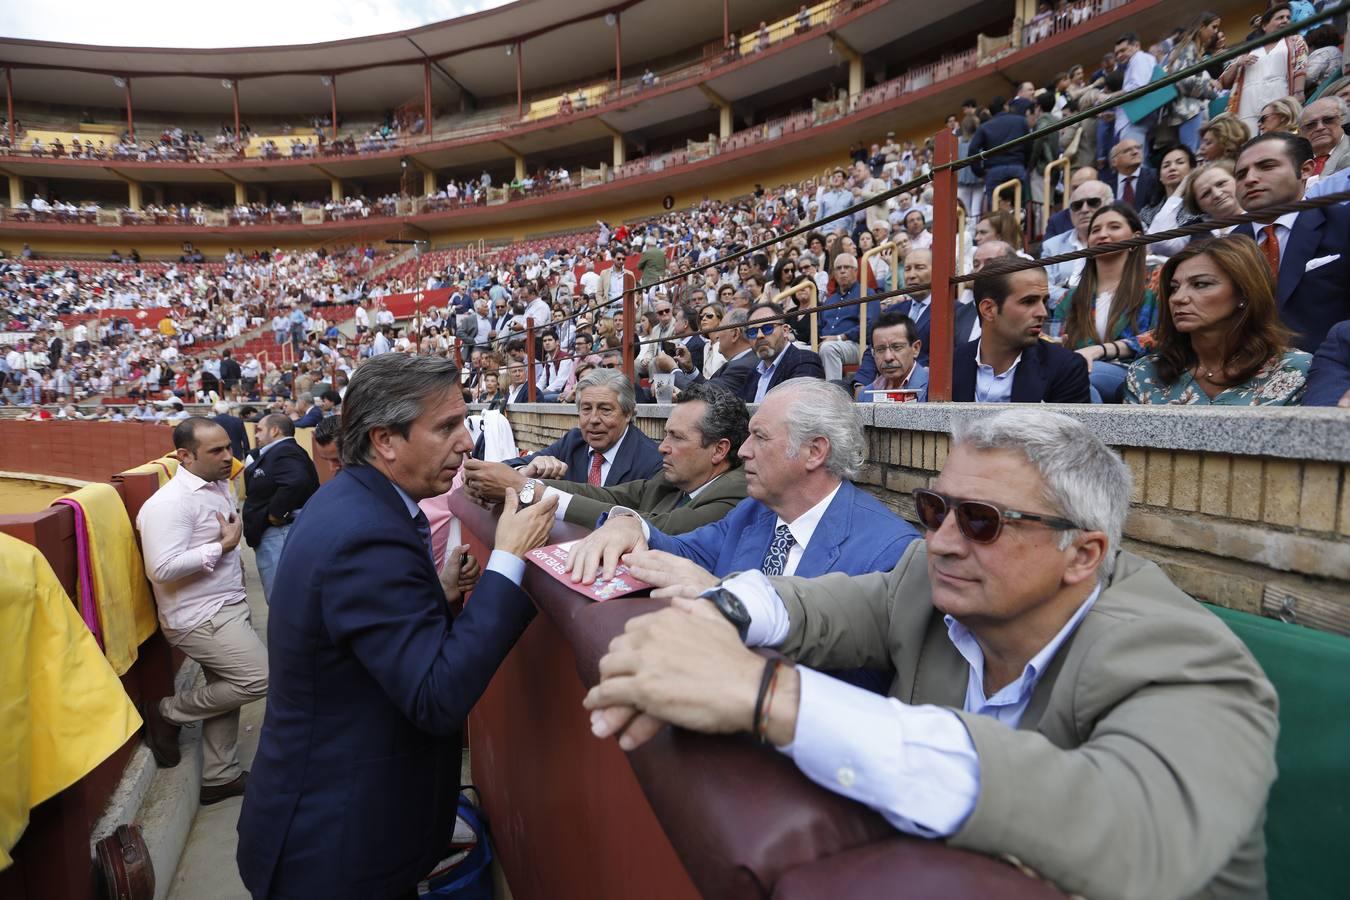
(424, 529)
(775, 561)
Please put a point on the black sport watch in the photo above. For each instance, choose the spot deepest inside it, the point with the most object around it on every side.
(729, 605)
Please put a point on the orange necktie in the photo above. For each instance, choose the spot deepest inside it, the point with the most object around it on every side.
(1271, 245)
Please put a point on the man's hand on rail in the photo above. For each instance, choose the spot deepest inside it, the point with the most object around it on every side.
(600, 551)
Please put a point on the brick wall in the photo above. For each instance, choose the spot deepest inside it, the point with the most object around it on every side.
(1263, 533)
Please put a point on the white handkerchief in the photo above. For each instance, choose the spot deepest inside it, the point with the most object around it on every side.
(1321, 261)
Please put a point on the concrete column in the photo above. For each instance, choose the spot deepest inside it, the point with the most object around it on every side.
(428, 183)
(15, 190)
(855, 76)
(240, 194)
(620, 152)
(520, 167)
(336, 189)
(134, 196)
(724, 123)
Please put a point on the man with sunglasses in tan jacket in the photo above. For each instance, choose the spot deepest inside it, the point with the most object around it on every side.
(1054, 698)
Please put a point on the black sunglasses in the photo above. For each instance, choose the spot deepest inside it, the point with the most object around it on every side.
(1089, 202)
(979, 520)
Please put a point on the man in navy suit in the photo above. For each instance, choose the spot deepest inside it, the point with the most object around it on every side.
(1130, 180)
(1010, 363)
(1313, 246)
(352, 793)
(280, 478)
(803, 515)
(307, 414)
(919, 270)
(779, 358)
(1329, 377)
(605, 448)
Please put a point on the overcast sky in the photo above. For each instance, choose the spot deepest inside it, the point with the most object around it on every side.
(230, 23)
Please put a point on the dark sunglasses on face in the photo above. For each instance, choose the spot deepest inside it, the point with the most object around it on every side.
(979, 520)
(1089, 202)
(754, 331)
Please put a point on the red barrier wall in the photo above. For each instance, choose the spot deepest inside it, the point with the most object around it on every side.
(90, 451)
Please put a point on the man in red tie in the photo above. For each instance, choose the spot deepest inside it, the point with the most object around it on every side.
(1131, 180)
(1321, 125)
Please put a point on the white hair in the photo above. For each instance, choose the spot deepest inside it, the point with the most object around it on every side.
(823, 409)
(1085, 481)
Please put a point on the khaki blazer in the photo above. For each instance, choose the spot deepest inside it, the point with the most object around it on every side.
(655, 500)
(1143, 762)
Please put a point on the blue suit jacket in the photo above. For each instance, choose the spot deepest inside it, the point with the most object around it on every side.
(352, 793)
(1148, 190)
(963, 324)
(793, 363)
(312, 417)
(1311, 302)
(1329, 377)
(856, 535)
(1048, 373)
(637, 460)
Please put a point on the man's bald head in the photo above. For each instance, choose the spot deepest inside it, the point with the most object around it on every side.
(989, 251)
(1082, 175)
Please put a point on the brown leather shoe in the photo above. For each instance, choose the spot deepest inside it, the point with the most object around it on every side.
(161, 735)
(216, 793)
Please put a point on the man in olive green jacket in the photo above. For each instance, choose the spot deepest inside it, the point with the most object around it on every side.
(700, 479)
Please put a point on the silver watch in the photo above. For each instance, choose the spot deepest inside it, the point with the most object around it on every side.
(527, 493)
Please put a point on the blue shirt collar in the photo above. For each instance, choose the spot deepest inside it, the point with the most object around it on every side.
(413, 508)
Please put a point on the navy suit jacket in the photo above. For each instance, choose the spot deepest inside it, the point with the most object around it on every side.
(637, 459)
(1048, 373)
(1329, 377)
(234, 427)
(963, 324)
(1311, 302)
(857, 535)
(1059, 223)
(793, 363)
(352, 792)
(1147, 188)
(277, 483)
(312, 417)
(735, 372)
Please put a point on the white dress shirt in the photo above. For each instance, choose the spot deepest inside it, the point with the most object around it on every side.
(180, 536)
(802, 529)
(1283, 226)
(609, 456)
(916, 765)
(991, 386)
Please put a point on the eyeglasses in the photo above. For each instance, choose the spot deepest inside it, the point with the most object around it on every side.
(1328, 121)
(663, 312)
(890, 348)
(708, 315)
(979, 520)
(1089, 202)
(752, 331)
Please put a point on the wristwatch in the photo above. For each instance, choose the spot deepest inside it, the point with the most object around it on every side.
(527, 493)
(729, 605)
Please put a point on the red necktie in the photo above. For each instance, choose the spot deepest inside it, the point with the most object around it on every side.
(1128, 196)
(593, 478)
(1271, 245)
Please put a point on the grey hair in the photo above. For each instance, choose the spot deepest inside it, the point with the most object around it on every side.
(735, 316)
(615, 381)
(306, 398)
(390, 391)
(824, 409)
(1341, 106)
(1085, 480)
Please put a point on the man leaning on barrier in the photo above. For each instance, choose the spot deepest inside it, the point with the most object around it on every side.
(1054, 698)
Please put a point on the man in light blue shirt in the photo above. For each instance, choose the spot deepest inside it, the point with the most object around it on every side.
(1054, 698)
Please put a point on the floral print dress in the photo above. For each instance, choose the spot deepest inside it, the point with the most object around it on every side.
(1280, 382)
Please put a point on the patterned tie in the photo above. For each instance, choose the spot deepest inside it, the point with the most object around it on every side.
(1128, 195)
(775, 561)
(593, 477)
(424, 529)
(1271, 245)
(684, 498)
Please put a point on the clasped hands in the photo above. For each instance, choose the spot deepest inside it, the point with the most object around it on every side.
(486, 483)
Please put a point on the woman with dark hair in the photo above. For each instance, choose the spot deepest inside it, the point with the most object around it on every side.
(1219, 340)
(1202, 38)
(784, 275)
(1176, 163)
(1324, 57)
(1267, 73)
(999, 225)
(1105, 315)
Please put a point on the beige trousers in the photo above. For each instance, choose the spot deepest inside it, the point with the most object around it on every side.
(235, 663)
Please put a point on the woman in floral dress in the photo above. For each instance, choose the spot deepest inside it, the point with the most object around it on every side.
(1219, 340)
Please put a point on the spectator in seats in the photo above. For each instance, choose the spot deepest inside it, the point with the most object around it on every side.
(1176, 163)
(374, 678)
(804, 515)
(330, 403)
(999, 225)
(1219, 339)
(1267, 73)
(1306, 250)
(307, 415)
(1209, 192)
(1138, 67)
(738, 349)
(190, 539)
(837, 197)
(1222, 137)
(234, 427)
(1130, 180)
(700, 479)
(709, 318)
(230, 373)
(615, 281)
(249, 373)
(839, 328)
(1107, 314)
(1323, 125)
(1009, 362)
(1202, 38)
(1329, 377)
(1324, 57)
(779, 359)
(517, 383)
(554, 371)
(1003, 126)
(969, 185)
(895, 346)
(327, 453)
(280, 479)
(605, 448)
(1084, 202)
(1021, 695)
(919, 270)
(1282, 114)
(1045, 149)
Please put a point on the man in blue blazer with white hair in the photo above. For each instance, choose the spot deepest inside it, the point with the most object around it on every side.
(352, 793)
(605, 448)
(803, 515)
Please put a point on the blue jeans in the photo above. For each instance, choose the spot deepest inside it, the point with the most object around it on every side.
(268, 554)
(1108, 381)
